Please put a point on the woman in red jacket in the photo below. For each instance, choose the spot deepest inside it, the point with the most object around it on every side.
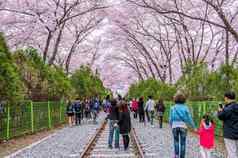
(135, 107)
(207, 136)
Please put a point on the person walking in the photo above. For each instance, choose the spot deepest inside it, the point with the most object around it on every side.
(116, 131)
(141, 110)
(160, 111)
(150, 109)
(113, 118)
(135, 108)
(107, 104)
(87, 110)
(229, 116)
(70, 113)
(95, 109)
(124, 124)
(206, 136)
(83, 109)
(78, 112)
(179, 119)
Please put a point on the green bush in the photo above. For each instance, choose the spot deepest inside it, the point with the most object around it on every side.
(42, 81)
(87, 84)
(200, 83)
(11, 87)
(152, 87)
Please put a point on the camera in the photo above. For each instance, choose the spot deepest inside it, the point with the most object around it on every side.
(220, 106)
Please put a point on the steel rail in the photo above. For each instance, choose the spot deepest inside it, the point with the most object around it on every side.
(140, 152)
(134, 140)
(92, 141)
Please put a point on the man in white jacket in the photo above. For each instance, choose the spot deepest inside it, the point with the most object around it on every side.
(150, 108)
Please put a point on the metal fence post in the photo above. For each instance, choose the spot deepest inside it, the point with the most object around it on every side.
(8, 122)
(199, 111)
(60, 111)
(32, 117)
(49, 115)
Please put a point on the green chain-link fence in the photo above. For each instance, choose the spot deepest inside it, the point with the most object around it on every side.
(30, 117)
(198, 109)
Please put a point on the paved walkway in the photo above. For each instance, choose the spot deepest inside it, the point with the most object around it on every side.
(160, 141)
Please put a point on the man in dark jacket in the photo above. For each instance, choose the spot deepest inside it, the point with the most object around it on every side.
(229, 116)
(95, 109)
(113, 119)
(78, 112)
(141, 110)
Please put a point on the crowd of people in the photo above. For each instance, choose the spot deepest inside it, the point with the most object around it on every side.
(87, 109)
(180, 120)
(147, 111)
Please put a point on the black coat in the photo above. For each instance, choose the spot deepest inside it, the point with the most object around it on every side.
(114, 113)
(141, 107)
(160, 107)
(229, 116)
(124, 122)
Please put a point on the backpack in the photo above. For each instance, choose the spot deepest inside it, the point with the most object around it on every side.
(96, 104)
(77, 107)
(107, 106)
(70, 109)
(87, 107)
(160, 107)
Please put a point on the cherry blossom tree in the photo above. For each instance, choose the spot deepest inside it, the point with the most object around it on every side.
(45, 24)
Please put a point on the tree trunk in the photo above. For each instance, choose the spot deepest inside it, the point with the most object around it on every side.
(47, 45)
(58, 40)
(227, 49)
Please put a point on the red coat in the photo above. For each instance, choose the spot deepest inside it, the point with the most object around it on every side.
(207, 135)
(134, 105)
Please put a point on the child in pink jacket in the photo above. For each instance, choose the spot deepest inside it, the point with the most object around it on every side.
(207, 136)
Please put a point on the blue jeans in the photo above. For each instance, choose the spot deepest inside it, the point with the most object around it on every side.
(180, 135)
(111, 133)
(94, 112)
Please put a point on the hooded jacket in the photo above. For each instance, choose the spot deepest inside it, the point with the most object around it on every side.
(229, 116)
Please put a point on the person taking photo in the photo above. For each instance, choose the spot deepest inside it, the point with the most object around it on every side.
(229, 115)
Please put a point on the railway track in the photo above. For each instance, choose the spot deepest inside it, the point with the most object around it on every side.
(98, 146)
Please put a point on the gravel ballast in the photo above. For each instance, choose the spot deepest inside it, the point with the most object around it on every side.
(66, 143)
(158, 142)
(70, 142)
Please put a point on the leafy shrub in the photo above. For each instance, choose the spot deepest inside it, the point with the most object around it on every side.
(11, 87)
(87, 84)
(152, 87)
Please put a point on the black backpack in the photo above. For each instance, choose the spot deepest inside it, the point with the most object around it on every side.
(77, 107)
(70, 109)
